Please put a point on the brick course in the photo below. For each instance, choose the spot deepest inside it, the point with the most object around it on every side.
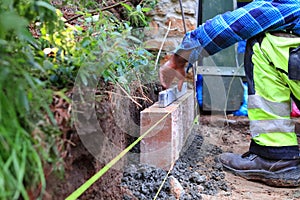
(161, 147)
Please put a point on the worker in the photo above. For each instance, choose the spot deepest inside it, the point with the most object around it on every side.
(271, 61)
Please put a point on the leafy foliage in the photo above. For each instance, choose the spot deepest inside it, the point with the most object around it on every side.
(24, 99)
(132, 66)
(136, 16)
(108, 47)
(33, 68)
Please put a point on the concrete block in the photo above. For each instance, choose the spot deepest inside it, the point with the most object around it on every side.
(162, 145)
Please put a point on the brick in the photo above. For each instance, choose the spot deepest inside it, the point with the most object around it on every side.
(162, 145)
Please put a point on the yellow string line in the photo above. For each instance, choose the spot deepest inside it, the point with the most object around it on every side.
(164, 181)
(162, 45)
(78, 192)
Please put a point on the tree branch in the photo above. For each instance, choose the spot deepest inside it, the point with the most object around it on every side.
(94, 11)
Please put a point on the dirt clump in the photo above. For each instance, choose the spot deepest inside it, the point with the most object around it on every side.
(81, 164)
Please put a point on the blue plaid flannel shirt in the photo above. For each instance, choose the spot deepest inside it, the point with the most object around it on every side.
(243, 23)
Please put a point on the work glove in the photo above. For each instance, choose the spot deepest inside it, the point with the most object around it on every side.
(173, 68)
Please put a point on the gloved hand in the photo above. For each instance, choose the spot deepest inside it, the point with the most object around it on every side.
(173, 68)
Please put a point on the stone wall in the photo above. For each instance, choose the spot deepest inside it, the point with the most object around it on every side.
(168, 11)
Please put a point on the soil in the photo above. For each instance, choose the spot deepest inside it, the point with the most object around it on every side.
(235, 137)
(197, 170)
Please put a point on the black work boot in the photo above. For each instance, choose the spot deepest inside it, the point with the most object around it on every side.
(278, 173)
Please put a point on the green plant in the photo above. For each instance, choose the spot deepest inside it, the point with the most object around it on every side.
(58, 48)
(134, 65)
(24, 99)
(136, 16)
(105, 42)
(31, 69)
(108, 49)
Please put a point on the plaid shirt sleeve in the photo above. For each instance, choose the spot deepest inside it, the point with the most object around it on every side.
(243, 23)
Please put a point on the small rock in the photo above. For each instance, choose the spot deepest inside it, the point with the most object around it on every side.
(176, 188)
(200, 188)
(144, 189)
(197, 178)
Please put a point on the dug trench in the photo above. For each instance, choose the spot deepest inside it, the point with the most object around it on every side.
(197, 174)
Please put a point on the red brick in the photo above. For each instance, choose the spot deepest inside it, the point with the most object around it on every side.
(162, 145)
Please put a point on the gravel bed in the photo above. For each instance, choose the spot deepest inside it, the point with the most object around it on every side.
(197, 171)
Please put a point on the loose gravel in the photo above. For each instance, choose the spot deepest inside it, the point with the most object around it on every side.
(197, 170)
